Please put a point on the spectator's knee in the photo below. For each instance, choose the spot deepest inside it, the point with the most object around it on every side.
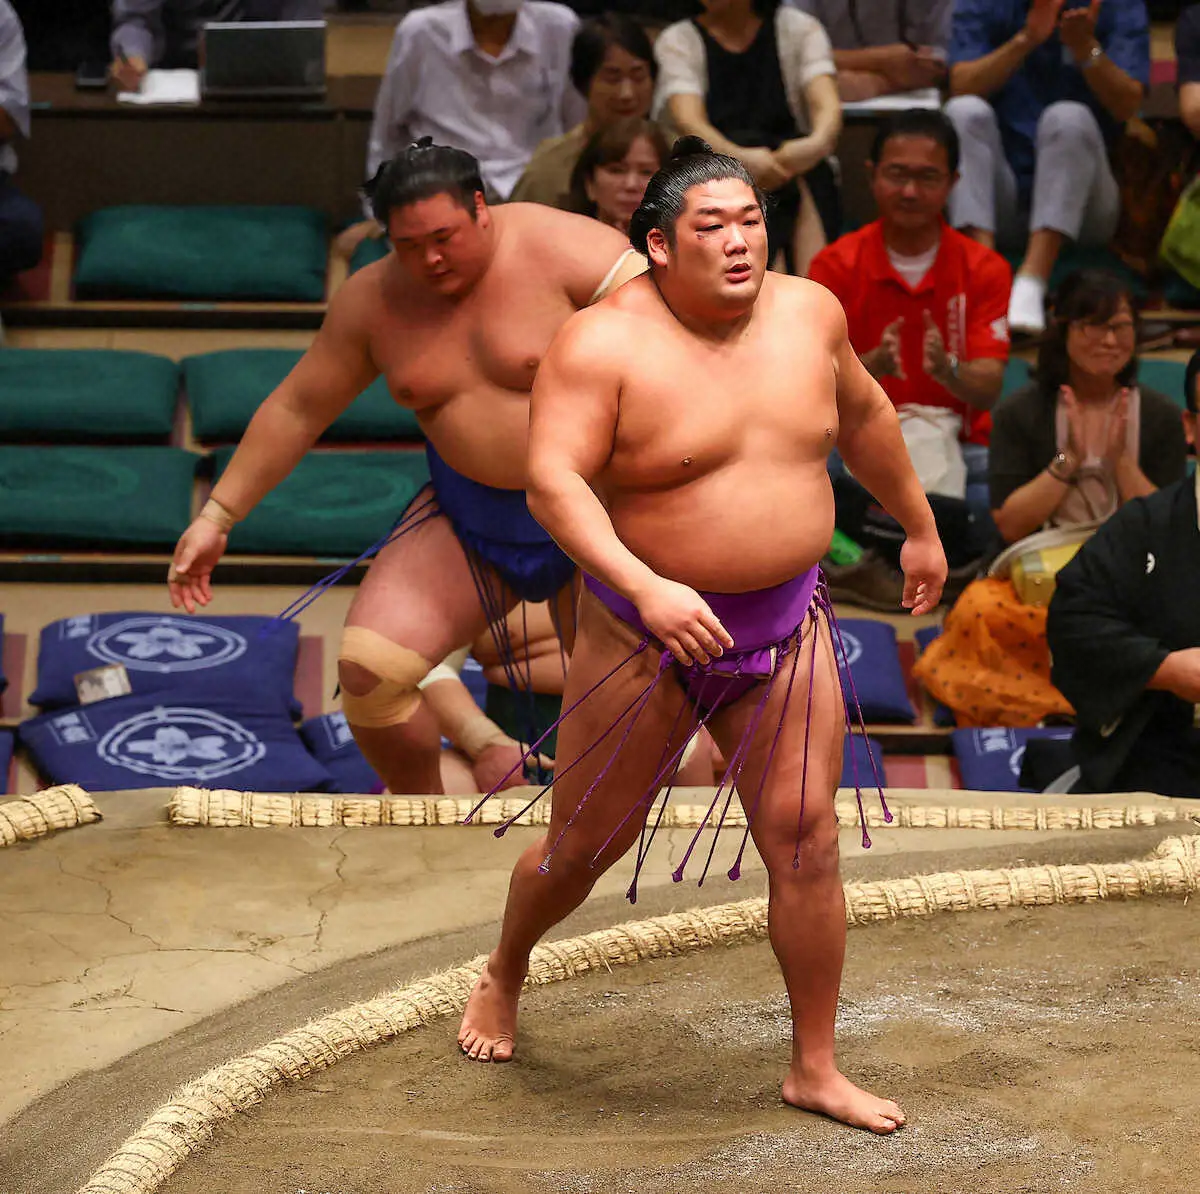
(972, 116)
(1068, 122)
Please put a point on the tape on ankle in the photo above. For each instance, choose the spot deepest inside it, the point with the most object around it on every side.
(468, 728)
(396, 697)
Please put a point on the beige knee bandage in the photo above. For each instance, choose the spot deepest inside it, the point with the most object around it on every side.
(396, 697)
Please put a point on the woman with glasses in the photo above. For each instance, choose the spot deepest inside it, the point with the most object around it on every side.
(1068, 450)
(1082, 439)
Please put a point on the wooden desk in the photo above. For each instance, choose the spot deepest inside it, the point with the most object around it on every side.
(88, 151)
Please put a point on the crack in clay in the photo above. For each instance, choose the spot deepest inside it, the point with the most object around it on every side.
(337, 883)
(108, 901)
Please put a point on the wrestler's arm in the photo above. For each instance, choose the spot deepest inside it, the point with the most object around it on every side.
(573, 422)
(336, 368)
(573, 419)
(871, 444)
(594, 258)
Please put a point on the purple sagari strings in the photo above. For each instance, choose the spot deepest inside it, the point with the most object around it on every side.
(791, 645)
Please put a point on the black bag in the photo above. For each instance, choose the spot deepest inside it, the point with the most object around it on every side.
(861, 517)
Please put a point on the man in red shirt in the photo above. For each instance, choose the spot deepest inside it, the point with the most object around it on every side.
(927, 313)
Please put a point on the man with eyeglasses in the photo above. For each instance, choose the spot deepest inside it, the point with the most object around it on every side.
(926, 308)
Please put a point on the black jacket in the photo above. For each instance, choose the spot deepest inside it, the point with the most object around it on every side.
(1126, 601)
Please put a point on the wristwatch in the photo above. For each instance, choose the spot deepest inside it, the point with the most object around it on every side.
(1094, 56)
(1062, 467)
(951, 364)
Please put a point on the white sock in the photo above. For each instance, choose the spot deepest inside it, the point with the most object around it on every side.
(1027, 306)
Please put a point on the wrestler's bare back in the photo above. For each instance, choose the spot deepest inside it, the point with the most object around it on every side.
(466, 365)
(717, 476)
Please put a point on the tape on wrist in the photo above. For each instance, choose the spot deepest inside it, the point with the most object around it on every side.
(216, 513)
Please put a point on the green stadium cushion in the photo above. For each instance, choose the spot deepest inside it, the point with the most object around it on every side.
(231, 253)
(1164, 376)
(224, 390)
(84, 395)
(1179, 292)
(1077, 257)
(1016, 374)
(368, 251)
(91, 498)
(333, 503)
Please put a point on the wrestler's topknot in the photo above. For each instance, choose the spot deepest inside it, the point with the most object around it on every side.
(692, 163)
(420, 172)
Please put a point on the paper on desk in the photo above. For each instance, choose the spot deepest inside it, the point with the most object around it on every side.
(926, 97)
(165, 87)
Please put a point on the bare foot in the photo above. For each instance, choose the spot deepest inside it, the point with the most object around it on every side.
(836, 1096)
(490, 1019)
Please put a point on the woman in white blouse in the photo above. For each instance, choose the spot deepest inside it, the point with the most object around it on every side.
(758, 81)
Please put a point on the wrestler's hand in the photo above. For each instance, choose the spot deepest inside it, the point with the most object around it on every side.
(196, 555)
(924, 565)
(496, 761)
(350, 238)
(681, 620)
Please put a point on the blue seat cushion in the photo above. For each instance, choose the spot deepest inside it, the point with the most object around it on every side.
(856, 754)
(94, 498)
(942, 715)
(168, 654)
(878, 678)
(990, 760)
(215, 739)
(224, 389)
(332, 743)
(333, 503)
(7, 741)
(3, 677)
(200, 252)
(86, 395)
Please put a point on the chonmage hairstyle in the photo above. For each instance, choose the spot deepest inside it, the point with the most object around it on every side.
(420, 172)
(692, 163)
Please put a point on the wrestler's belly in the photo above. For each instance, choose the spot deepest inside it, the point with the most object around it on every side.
(483, 433)
(741, 528)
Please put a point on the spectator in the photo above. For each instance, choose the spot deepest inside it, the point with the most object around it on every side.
(20, 219)
(1187, 58)
(1068, 450)
(1124, 632)
(613, 68)
(617, 162)
(1040, 90)
(487, 76)
(1082, 439)
(166, 33)
(762, 88)
(884, 46)
(926, 311)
